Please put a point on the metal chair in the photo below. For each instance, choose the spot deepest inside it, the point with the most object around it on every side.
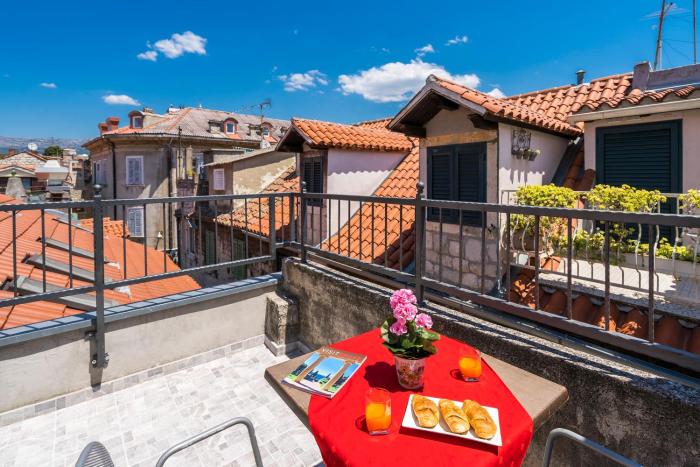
(600, 449)
(94, 455)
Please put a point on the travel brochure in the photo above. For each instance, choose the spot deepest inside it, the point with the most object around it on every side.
(325, 371)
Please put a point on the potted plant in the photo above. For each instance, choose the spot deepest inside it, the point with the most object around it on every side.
(408, 336)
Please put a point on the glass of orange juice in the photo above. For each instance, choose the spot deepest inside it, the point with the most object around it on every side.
(378, 411)
(470, 364)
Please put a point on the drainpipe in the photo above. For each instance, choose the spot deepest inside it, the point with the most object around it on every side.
(173, 193)
(114, 174)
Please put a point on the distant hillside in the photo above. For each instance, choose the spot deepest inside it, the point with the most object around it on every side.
(21, 143)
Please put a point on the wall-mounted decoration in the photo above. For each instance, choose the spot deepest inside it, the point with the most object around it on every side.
(520, 145)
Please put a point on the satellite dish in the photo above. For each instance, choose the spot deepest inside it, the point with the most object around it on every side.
(32, 146)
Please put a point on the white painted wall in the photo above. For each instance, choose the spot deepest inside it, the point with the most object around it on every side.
(356, 173)
(690, 137)
(514, 173)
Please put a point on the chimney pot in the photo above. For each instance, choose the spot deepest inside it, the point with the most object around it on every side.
(580, 76)
(102, 127)
(11, 151)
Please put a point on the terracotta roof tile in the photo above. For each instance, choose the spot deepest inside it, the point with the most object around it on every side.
(336, 135)
(637, 97)
(380, 123)
(109, 226)
(29, 242)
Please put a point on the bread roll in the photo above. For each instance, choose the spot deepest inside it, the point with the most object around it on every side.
(426, 411)
(455, 419)
(479, 419)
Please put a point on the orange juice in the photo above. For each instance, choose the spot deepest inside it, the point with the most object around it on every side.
(378, 416)
(470, 364)
(377, 411)
(470, 367)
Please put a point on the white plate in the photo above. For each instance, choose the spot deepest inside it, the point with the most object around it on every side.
(409, 421)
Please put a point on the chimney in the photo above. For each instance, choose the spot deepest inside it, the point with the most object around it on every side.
(113, 123)
(580, 75)
(103, 127)
(147, 110)
(11, 152)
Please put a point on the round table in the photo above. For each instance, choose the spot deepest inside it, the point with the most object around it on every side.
(341, 434)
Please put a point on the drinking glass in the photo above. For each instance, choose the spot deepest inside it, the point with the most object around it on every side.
(470, 364)
(378, 411)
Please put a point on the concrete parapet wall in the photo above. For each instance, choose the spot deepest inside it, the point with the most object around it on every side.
(649, 419)
(40, 368)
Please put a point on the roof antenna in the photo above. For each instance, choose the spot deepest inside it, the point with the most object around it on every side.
(662, 14)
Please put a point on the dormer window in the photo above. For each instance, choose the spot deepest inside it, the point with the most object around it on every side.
(266, 130)
(214, 126)
(137, 121)
(230, 127)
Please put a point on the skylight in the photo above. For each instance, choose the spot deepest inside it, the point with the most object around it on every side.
(53, 265)
(85, 302)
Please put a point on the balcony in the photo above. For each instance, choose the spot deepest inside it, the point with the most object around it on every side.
(141, 374)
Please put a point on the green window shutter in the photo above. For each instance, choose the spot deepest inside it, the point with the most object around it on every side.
(471, 172)
(441, 182)
(647, 156)
(313, 176)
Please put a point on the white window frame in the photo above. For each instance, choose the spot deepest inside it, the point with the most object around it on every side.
(128, 180)
(265, 130)
(98, 171)
(233, 127)
(135, 230)
(218, 179)
(136, 118)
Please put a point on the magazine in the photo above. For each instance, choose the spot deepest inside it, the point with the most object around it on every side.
(325, 371)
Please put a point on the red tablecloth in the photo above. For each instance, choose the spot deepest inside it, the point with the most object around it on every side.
(338, 423)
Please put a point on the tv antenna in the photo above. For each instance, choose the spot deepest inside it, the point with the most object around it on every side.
(659, 37)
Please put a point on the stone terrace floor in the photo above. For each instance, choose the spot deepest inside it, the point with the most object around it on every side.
(139, 423)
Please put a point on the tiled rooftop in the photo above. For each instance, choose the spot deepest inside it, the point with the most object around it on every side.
(356, 137)
(637, 97)
(29, 244)
(138, 423)
(194, 122)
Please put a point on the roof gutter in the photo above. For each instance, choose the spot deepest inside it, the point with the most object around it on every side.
(661, 107)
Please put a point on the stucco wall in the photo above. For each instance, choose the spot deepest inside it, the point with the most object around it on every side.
(690, 137)
(134, 344)
(514, 173)
(356, 173)
(630, 411)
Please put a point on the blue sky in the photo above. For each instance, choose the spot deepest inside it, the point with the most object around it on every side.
(335, 61)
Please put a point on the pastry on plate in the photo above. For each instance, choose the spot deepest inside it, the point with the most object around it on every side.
(481, 422)
(426, 411)
(455, 419)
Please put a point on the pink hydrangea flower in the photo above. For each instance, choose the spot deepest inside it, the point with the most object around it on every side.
(424, 321)
(399, 327)
(405, 311)
(402, 296)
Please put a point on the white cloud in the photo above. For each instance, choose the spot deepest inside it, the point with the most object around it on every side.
(178, 45)
(426, 49)
(457, 40)
(495, 92)
(150, 55)
(120, 99)
(303, 81)
(48, 85)
(397, 81)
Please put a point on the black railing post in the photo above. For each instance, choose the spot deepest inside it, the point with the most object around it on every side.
(100, 358)
(273, 231)
(420, 240)
(292, 211)
(302, 200)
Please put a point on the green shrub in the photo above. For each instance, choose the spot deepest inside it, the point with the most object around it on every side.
(551, 196)
(690, 202)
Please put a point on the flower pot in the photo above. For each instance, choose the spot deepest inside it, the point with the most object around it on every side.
(409, 371)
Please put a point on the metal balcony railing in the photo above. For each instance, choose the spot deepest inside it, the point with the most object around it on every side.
(447, 255)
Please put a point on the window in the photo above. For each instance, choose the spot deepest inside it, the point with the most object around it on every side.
(134, 221)
(98, 172)
(134, 170)
(219, 180)
(313, 176)
(266, 130)
(457, 173)
(137, 121)
(230, 127)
